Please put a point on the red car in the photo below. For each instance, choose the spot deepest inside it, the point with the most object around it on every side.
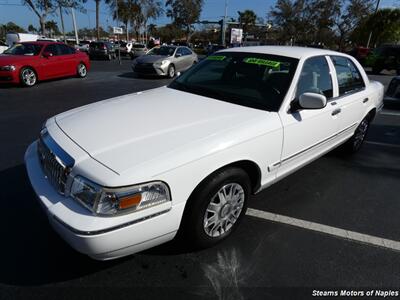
(27, 63)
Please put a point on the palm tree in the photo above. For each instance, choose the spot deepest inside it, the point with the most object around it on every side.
(247, 19)
(97, 19)
(32, 29)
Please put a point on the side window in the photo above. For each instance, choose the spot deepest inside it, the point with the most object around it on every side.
(65, 50)
(52, 48)
(315, 78)
(186, 51)
(180, 51)
(349, 77)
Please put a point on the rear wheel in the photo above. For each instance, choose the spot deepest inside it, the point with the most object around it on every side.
(81, 70)
(216, 207)
(28, 77)
(355, 142)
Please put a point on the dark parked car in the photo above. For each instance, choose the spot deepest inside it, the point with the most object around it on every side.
(104, 50)
(392, 96)
(384, 57)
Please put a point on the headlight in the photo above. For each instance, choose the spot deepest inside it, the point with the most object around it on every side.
(161, 63)
(8, 68)
(113, 201)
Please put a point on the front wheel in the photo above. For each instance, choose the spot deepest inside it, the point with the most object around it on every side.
(171, 71)
(216, 207)
(355, 142)
(81, 70)
(28, 77)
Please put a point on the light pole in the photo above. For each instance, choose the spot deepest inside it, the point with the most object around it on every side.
(370, 34)
(119, 45)
(74, 23)
(224, 25)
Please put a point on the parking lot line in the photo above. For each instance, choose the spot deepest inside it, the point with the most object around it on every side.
(382, 144)
(338, 232)
(390, 113)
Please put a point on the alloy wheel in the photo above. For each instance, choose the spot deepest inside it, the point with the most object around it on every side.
(29, 77)
(360, 133)
(224, 210)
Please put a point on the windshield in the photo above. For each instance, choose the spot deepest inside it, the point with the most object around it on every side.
(249, 79)
(164, 51)
(24, 49)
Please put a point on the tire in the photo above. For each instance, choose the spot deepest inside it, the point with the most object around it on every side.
(171, 71)
(355, 142)
(207, 219)
(81, 70)
(28, 77)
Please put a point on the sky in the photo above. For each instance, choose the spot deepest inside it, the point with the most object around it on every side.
(213, 10)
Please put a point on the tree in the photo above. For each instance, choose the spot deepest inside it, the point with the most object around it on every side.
(151, 9)
(384, 25)
(44, 8)
(52, 28)
(184, 14)
(127, 12)
(291, 19)
(12, 27)
(32, 29)
(247, 19)
(351, 17)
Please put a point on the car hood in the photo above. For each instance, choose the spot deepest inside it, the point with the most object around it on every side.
(145, 59)
(6, 59)
(158, 127)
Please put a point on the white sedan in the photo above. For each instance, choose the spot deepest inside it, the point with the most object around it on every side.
(129, 173)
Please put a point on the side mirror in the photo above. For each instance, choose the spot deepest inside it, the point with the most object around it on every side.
(312, 101)
(178, 74)
(47, 54)
(178, 55)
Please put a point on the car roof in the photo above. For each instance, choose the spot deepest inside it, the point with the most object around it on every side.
(41, 42)
(289, 51)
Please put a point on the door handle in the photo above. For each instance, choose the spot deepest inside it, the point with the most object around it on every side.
(365, 100)
(333, 103)
(336, 111)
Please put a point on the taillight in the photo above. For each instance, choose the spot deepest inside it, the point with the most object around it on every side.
(104, 47)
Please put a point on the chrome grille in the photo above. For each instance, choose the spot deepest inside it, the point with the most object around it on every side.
(55, 172)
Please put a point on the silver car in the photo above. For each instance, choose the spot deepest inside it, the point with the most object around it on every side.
(165, 61)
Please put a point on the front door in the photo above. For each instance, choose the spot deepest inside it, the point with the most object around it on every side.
(50, 65)
(309, 133)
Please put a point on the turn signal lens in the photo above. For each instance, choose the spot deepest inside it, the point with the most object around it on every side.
(129, 201)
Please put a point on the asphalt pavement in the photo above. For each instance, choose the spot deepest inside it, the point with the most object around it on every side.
(266, 257)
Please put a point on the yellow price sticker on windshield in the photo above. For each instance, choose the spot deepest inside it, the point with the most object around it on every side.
(216, 57)
(262, 62)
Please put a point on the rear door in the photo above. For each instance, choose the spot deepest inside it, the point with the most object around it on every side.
(352, 94)
(68, 61)
(187, 58)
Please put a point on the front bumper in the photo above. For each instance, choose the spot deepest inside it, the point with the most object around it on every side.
(9, 77)
(101, 238)
(149, 69)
